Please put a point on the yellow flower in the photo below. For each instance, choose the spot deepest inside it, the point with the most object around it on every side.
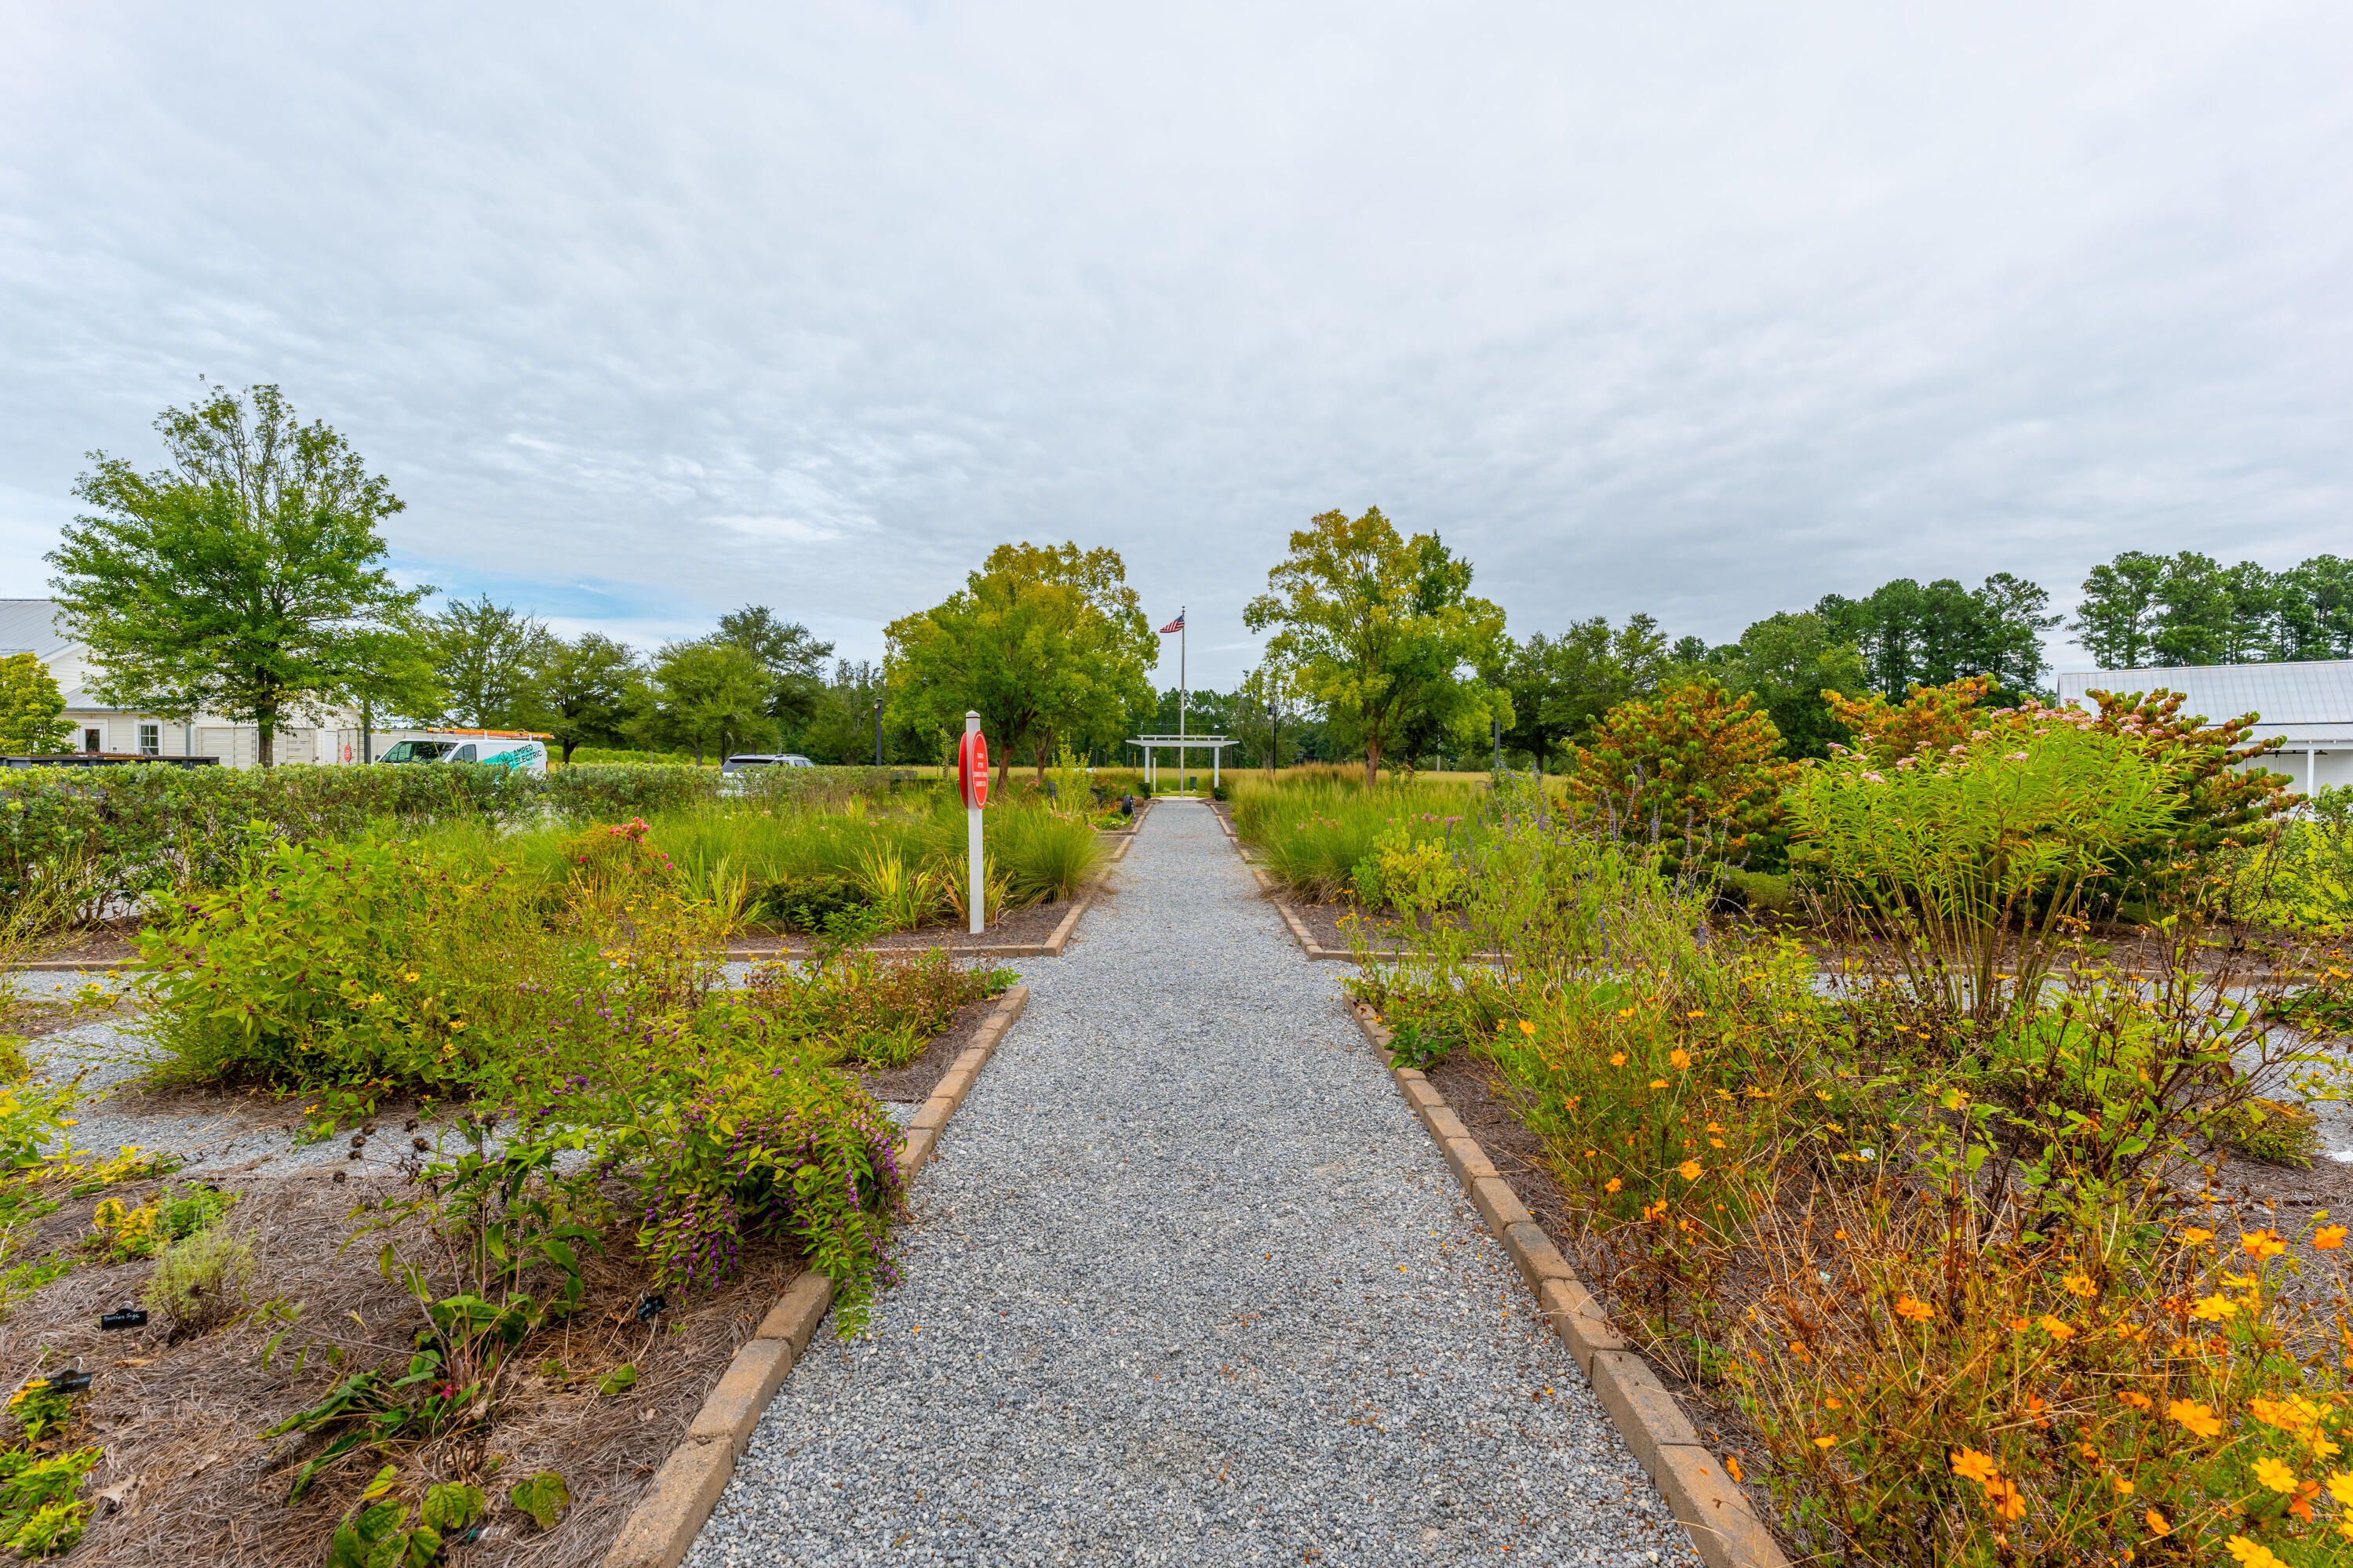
(2006, 1499)
(1614, 1184)
(2193, 1234)
(1972, 1466)
(457, 1026)
(2200, 1419)
(2213, 1308)
(1679, 1058)
(1913, 1308)
(1825, 1442)
(2262, 1244)
(2138, 1401)
(1691, 1170)
(2058, 1328)
(2329, 1238)
(2124, 1487)
(1618, 1059)
(2079, 1285)
(1658, 1083)
(2340, 1487)
(1526, 1028)
(2274, 1475)
(2156, 1525)
(2252, 1553)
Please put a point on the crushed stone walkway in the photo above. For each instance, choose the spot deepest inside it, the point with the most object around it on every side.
(1188, 1283)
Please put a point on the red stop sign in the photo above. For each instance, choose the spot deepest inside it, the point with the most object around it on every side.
(972, 768)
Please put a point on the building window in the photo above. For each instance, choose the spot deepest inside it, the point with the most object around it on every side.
(92, 741)
(150, 740)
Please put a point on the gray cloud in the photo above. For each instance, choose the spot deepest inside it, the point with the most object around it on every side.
(1703, 309)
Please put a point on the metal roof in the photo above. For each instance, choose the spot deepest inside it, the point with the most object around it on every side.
(30, 626)
(2311, 700)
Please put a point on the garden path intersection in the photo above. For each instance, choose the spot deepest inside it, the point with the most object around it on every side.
(1187, 1282)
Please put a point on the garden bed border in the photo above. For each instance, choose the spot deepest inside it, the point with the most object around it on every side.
(1711, 1507)
(666, 1521)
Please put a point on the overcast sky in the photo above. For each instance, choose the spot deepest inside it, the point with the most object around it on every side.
(1703, 309)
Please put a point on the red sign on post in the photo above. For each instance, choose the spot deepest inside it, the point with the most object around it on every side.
(972, 768)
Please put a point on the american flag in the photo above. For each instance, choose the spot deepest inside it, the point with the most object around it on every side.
(1176, 626)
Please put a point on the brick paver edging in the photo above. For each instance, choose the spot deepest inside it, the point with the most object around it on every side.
(686, 1489)
(1709, 1504)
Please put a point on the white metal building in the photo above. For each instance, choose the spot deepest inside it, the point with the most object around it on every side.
(30, 626)
(2309, 707)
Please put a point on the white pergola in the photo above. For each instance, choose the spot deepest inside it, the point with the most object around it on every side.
(1214, 744)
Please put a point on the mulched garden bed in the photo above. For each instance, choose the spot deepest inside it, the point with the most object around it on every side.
(2264, 1192)
(186, 1478)
(913, 1084)
(1032, 927)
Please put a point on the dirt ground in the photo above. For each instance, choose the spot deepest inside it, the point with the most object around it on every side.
(186, 1478)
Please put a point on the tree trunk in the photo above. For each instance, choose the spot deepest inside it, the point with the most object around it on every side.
(698, 750)
(1372, 763)
(265, 746)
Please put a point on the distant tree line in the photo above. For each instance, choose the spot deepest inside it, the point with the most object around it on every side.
(249, 578)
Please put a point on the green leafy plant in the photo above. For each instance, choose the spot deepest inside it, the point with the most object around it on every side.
(125, 1231)
(493, 1219)
(544, 1497)
(39, 1516)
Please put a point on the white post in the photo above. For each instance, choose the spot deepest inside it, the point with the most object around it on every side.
(974, 888)
(1217, 759)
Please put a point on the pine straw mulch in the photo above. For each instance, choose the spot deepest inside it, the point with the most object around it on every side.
(186, 1479)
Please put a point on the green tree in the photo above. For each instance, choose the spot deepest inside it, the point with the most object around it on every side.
(2117, 619)
(32, 709)
(1784, 662)
(1562, 685)
(1907, 635)
(794, 659)
(240, 579)
(709, 693)
(2316, 609)
(387, 672)
(1267, 719)
(1047, 644)
(486, 658)
(586, 690)
(1384, 632)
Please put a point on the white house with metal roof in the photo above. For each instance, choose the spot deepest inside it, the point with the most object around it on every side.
(2307, 706)
(31, 625)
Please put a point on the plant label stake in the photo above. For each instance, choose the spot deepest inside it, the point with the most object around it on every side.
(123, 1318)
(972, 775)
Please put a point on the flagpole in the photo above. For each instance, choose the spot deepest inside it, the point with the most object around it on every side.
(1184, 699)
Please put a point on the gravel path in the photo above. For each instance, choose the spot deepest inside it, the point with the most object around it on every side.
(1188, 1283)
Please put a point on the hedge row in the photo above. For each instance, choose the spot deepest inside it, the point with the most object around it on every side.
(80, 841)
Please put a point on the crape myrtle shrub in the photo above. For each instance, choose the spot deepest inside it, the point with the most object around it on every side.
(78, 843)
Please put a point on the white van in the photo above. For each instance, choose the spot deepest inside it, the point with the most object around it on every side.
(523, 750)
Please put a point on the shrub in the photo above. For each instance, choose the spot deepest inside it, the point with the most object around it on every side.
(804, 903)
(201, 1281)
(1974, 861)
(377, 963)
(1694, 774)
(1937, 1263)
